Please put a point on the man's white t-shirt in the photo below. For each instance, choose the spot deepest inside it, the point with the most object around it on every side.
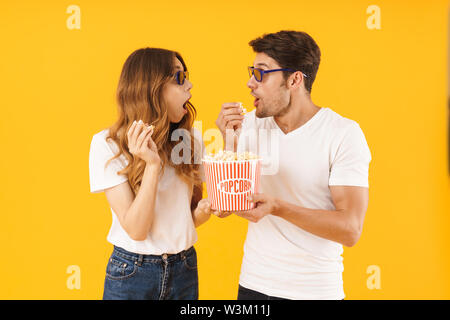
(281, 259)
(173, 228)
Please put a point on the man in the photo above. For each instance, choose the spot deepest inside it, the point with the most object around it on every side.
(316, 198)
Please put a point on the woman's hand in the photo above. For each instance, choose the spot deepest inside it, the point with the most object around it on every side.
(140, 143)
(204, 207)
(203, 212)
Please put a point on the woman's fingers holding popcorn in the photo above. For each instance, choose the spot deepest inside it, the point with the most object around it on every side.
(151, 144)
(137, 128)
(204, 206)
(142, 137)
(140, 143)
(204, 203)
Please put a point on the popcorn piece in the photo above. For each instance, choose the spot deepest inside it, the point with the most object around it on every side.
(244, 111)
(151, 128)
(230, 156)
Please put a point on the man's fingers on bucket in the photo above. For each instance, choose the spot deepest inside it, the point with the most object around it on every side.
(243, 214)
(222, 214)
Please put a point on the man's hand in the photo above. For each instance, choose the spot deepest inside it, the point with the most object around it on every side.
(230, 117)
(229, 123)
(222, 214)
(264, 205)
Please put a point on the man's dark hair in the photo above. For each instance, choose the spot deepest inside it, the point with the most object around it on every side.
(291, 49)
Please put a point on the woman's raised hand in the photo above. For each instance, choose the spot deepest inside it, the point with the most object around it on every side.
(141, 144)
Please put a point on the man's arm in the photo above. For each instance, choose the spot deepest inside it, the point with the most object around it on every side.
(343, 225)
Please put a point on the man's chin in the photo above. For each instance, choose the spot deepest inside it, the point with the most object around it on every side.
(259, 113)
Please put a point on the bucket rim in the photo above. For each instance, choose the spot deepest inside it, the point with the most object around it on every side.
(234, 161)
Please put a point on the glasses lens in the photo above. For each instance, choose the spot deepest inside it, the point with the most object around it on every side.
(258, 74)
(180, 76)
(250, 71)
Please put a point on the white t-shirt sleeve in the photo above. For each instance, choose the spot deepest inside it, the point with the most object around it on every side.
(350, 166)
(100, 177)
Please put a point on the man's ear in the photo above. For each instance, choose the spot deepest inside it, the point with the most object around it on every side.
(296, 80)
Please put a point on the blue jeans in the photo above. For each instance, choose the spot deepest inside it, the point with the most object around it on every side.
(132, 276)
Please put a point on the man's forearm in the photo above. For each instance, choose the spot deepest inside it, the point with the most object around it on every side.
(329, 224)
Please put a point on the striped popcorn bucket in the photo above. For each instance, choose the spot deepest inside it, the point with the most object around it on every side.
(229, 183)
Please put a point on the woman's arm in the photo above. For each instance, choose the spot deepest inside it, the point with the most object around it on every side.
(136, 214)
(199, 208)
(202, 213)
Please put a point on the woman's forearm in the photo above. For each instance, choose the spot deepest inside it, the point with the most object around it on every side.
(139, 217)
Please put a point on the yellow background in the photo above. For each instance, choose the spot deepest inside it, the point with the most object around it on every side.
(57, 90)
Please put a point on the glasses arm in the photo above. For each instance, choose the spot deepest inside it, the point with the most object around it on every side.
(274, 70)
(291, 70)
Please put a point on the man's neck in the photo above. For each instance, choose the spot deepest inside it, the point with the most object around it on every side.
(300, 112)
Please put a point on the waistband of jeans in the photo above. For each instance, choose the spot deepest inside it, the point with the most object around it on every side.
(169, 257)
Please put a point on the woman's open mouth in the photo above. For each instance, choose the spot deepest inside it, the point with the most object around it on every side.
(256, 102)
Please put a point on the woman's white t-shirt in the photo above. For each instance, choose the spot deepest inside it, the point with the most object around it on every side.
(281, 259)
(173, 228)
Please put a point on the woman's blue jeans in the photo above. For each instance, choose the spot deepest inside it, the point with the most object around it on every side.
(132, 276)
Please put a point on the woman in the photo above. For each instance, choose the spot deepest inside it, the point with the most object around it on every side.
(156, 204)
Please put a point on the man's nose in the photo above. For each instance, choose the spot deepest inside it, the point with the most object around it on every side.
(251, 83)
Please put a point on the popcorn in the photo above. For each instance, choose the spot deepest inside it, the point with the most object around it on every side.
(140, 122)
(244, 111)
(231, 177)
(231, 156)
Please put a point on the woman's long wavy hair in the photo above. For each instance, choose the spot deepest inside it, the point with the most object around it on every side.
(139, 97)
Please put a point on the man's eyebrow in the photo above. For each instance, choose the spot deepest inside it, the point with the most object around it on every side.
(262, 65)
